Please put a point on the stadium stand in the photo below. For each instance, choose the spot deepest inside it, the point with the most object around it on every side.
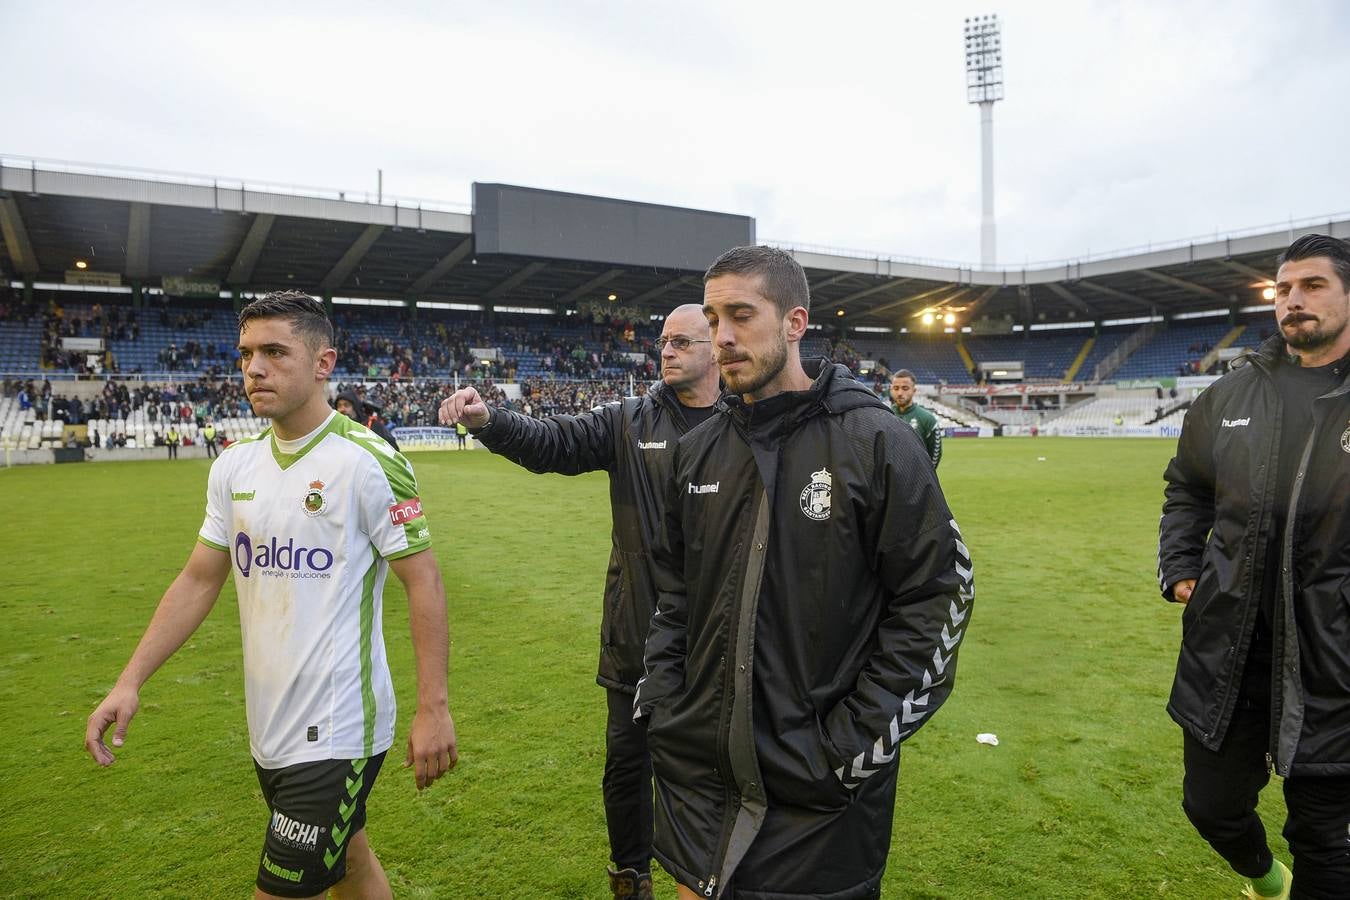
(1122, 408)
(933, 359)
(951, 416)
(1176, 350)
(1045, 355)
(1107, 341)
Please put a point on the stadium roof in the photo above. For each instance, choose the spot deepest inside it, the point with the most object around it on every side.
(144, 227)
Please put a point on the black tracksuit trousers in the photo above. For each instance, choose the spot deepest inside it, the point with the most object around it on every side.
(1220, 791)
(627, 785)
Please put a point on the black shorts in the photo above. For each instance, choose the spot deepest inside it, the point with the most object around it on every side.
(315, 809)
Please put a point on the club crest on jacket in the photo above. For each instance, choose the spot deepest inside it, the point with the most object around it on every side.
(815, 498)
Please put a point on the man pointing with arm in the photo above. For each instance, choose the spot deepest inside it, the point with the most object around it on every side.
(634, 441)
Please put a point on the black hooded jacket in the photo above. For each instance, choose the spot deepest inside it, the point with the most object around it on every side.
(634, 441)
(1217, 525)
(367, 414)
(813, 589)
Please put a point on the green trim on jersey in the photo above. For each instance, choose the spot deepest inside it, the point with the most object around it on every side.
(367, 638)
(402, 481)
(286, 460)
(212, 544)
(251, 439)
(423, 547)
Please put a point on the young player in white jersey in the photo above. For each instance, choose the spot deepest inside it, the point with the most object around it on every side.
(311, 515)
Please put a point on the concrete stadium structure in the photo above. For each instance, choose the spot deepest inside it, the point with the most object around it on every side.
(192, 235)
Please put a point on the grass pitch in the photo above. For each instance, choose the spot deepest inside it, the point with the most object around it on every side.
(1068, 660)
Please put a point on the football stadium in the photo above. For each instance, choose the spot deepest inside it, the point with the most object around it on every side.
(1059, 388)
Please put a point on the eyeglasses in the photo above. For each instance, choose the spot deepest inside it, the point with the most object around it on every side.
(679, 343)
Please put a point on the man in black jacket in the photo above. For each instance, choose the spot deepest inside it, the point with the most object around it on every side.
(1255, 541)
(813, 589)
(633, 440)
(366, 413)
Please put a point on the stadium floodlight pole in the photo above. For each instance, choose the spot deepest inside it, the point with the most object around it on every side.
(984, 85)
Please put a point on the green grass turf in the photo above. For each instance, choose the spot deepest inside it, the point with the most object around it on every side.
(1068, 660)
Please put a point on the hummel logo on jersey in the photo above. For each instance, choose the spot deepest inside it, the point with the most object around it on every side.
(242, 495)
(297, 834)
(1237, 423)
(704, 488)
(652, 445)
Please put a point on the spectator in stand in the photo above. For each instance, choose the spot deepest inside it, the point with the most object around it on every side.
(358, 410)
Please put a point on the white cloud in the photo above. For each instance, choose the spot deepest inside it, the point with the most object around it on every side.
(842, 125)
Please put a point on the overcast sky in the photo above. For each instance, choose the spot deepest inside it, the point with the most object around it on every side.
(841, 124)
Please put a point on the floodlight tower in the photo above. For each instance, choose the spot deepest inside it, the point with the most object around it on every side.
(984, 85)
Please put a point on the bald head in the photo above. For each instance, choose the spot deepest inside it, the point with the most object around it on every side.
(689, 321)
(693, 370)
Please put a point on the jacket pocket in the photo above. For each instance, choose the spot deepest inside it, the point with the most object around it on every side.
(801, 766)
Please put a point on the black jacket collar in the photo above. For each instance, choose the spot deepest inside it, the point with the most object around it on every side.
(833, 390)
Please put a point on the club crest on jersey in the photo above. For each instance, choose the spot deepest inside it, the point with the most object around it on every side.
(815, 498)
(315, 502)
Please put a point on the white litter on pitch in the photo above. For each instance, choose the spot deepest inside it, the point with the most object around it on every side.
(987, 738)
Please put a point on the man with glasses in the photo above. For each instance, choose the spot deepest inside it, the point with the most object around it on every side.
(634, 441)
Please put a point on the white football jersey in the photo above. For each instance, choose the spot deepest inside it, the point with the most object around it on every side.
(309, 525)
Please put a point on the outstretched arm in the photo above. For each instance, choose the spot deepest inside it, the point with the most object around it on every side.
(431, 742)
(568, 445)
(183, 607)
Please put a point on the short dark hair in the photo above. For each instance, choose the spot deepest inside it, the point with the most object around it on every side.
(306, 315)
(904, 373)
(1313, 245)
(784, 280)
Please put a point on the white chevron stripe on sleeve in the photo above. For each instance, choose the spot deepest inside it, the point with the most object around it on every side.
(913, 708)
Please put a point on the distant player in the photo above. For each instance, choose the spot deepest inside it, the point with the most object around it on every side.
(924, 423)
(311, 515)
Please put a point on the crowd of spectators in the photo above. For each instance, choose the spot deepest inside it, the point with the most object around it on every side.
(411, 404)
(416, 350)
(421, 348)
(212, 358)
(204, 400)
(96, 322)
(546, 398)
(13, 308)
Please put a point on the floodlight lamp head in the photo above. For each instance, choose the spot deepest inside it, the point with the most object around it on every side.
(984, 60)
